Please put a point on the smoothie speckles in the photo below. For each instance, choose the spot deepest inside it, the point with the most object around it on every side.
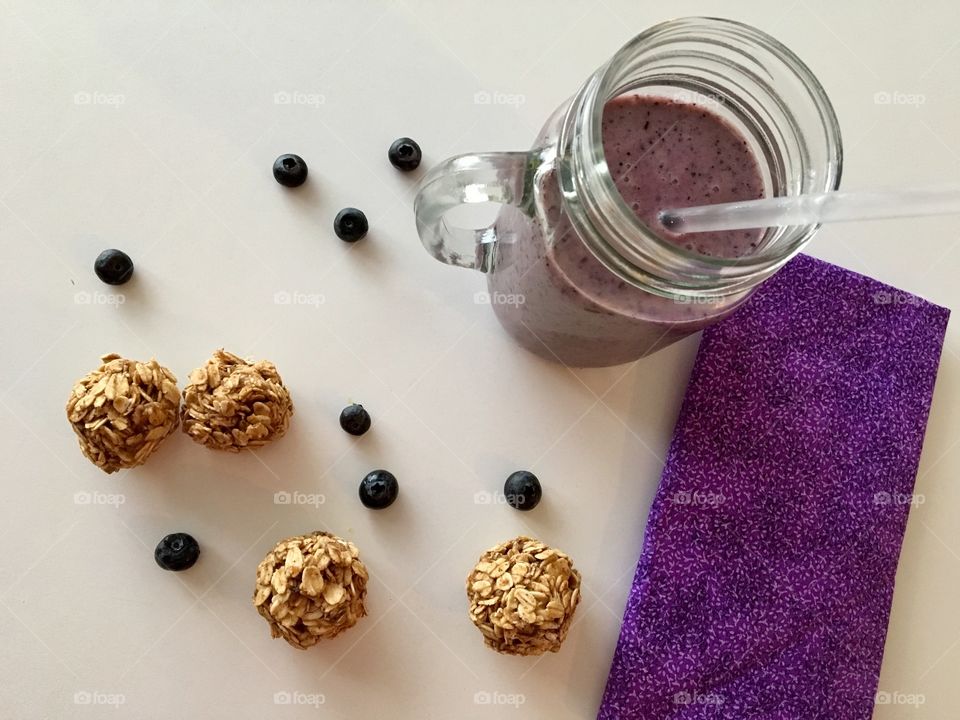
(662, 153)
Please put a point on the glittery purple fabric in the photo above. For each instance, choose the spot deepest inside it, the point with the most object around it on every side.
(764, 585)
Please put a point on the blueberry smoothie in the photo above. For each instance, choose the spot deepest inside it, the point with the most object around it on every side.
(558, 300)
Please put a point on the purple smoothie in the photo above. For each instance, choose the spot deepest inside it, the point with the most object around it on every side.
(558, 300)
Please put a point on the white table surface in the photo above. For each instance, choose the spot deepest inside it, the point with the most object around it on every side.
(152, 126)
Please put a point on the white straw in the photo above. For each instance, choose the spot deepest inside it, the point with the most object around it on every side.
(814, 209)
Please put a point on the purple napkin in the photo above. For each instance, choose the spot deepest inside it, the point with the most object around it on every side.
(764, 585)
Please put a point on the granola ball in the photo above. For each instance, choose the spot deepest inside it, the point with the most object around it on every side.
(123, 410)
(231, 403)
(522, 596)
(311, 587)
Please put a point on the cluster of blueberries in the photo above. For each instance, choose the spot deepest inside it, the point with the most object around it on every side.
(379, 489)
(115, 267)
(350, 224)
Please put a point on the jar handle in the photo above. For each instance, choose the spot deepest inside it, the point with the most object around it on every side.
(466, 179)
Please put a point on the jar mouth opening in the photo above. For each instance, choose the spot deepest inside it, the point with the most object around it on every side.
(655, 262)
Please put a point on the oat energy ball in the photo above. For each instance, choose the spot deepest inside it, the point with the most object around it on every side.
(522, 596)
(123, 410)
(231, 403)
(311, 587)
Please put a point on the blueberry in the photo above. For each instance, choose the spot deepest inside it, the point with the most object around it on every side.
(522, 490)
(354, 419)
(379, 489)
(177, 551)
(405, 154)
(114, 267)
(350, 224)
(290, 170)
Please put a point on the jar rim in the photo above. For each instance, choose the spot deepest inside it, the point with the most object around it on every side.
(611, 228)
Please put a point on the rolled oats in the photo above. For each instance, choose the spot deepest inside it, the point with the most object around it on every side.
(311, 587)
(123, 410)
(231, 403)
(522, 596)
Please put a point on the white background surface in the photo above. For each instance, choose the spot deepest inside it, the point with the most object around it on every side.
(170, 161)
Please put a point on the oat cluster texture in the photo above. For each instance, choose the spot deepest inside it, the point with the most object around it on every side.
(123, 410)
(310, 588)
(231, 403)
(523, 595)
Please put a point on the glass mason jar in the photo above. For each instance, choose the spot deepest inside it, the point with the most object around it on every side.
(574, 274)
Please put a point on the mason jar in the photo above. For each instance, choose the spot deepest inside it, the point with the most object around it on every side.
(574, 273)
